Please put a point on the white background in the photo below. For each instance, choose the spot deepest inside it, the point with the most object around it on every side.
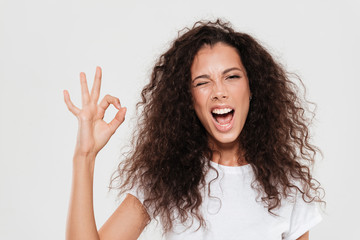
(44, 45)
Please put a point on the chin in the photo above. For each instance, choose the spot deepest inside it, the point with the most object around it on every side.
(225, 140)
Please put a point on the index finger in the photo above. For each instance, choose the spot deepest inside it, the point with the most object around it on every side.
(95, 91)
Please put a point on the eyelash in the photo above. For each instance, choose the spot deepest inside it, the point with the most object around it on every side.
(201, 83)
(229, 77)
(233, 76)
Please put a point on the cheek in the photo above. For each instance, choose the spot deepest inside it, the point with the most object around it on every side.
(244, 108)
(241, 93)
(199, 110)
(199, 104)
(199, 100)
(244, 102)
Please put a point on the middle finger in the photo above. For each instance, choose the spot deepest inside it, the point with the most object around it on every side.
(95, 91)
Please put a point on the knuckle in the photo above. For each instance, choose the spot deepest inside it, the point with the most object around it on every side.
(116, 100)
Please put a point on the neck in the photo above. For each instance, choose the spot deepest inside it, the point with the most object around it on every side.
(228, 154)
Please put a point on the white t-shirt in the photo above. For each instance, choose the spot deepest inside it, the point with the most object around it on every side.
(233, 211)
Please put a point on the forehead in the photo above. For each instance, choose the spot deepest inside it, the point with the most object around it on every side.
(217, 57)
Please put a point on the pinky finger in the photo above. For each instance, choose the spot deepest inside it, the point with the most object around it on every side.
(72, 108)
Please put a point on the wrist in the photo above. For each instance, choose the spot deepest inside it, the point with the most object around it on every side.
(84, 155)
(81, 159)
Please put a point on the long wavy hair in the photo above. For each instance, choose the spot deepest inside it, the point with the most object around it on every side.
(170, 155)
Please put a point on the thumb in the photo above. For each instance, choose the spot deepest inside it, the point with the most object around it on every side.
(118, 119)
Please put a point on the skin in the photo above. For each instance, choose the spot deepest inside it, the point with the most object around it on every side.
(130, 218)
(218, 80)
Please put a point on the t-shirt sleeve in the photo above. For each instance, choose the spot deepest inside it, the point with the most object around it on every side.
(137, 193)
(304, 216)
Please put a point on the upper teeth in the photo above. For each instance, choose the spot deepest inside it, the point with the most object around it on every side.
(221, 110)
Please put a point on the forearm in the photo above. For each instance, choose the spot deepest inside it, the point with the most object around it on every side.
(93, 134)
(81, 221)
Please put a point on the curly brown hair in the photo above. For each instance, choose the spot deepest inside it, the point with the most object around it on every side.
(171, 154)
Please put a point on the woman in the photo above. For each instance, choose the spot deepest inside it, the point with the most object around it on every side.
(221, 152)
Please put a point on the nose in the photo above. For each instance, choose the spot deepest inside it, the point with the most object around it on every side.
(219, 91)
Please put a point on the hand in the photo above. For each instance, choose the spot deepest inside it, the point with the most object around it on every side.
(94, 132)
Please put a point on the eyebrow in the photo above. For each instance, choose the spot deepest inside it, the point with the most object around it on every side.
(223, 73)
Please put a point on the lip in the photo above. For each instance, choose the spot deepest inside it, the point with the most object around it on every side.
(226, 127)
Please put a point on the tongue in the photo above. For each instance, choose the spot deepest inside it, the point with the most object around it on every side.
(223, 118)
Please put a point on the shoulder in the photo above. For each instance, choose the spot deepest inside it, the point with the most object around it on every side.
(303, 214)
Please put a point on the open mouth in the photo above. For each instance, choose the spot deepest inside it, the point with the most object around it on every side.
(223, 116)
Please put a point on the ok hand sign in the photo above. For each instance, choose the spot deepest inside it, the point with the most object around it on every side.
(93, 131)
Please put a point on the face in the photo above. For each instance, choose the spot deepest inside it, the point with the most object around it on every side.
(220, 91)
